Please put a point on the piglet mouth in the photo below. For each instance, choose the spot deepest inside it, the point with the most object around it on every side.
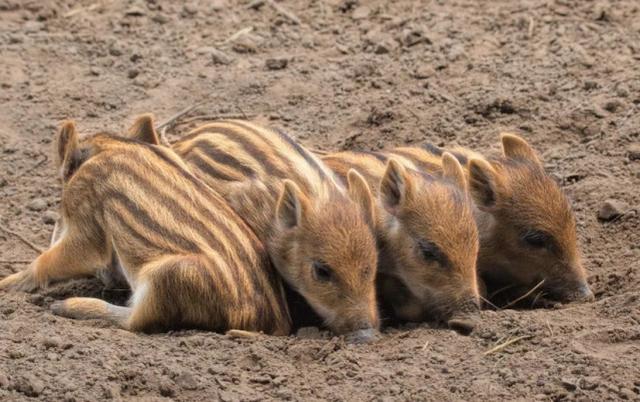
(581, 293)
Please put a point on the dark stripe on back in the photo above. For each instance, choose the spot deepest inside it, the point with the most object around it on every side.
(432, 149)
(303, 152)
(211, 196)
(249, 147)
(461, 158)
(206, 168)
(145, 220)
(379, 156)
(293, 172)
(222, 157)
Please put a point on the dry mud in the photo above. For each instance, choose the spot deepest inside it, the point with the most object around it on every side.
(352, 75)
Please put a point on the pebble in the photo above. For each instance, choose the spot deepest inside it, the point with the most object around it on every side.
(167, 389)
(51, 342)
(95, 71)
(361, 13)
(244, 44)
(187, 381)
(29, 385)
(611, 209)
(633, 153)
(220, 57)
(4, 380)
(279, 63)
(423, 72)
(160, 19)
(33, 26)
(135, 11)
(411, 37)
(308, 333)
(3, 182)
(133, 73)
(37, 204)
(569, 384)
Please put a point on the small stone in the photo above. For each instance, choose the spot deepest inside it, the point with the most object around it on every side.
(244, 44)
(422, 72)
(411, 37)
(361, 13)
(29, 385)
(95, 71)
(569, 384)
(160, 19)
(33, 26)
(190, 8)
(37, 204)
(3, 182)
(308, 333)
(4, 381)
(220, 57)
(135, 11)
(612, 105)
(51, 342)
(133, 73)
(590, 383)
(279, 63)
(633, 153)
(187, 381)
(611, 209)
(217, 56)
(50, 217)
(115, 49)
(627, 394)
(167, 389)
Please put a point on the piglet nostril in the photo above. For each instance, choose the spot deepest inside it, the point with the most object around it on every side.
(586, 294)
(463, 326)
(362, 335)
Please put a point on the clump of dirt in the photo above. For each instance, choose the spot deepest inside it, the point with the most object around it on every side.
(337, 75)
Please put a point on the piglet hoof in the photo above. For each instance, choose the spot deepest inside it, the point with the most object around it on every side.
(362, 336)
(23, 281)
(463, 326)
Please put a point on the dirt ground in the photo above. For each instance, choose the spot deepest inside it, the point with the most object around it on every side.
(342, 74)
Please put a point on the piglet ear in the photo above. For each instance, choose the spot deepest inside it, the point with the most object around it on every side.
(360, 193)
(143, 129)
(66, 141)
(515, 147)
(396, 187)
(292, 206)
(483, 184)
(452, 170)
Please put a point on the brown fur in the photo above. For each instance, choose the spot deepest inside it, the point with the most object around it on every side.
(318, 232)
(189, 259)
(426, 234)
(527, 228)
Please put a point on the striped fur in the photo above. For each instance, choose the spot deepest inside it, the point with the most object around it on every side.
(526, 225)
(318, 232)
(426, 235)
(189, 259)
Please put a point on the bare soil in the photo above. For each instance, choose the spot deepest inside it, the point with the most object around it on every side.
(352, 75)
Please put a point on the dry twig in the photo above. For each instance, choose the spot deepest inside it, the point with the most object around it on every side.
(505, 344)
(22, 238)
(34, 167)
(524, 296)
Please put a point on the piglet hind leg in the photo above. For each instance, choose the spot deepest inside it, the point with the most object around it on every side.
(87, 308)
(70, 257)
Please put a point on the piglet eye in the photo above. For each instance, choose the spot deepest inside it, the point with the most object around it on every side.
(536, 238)
(431, 253)
(321, 271)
